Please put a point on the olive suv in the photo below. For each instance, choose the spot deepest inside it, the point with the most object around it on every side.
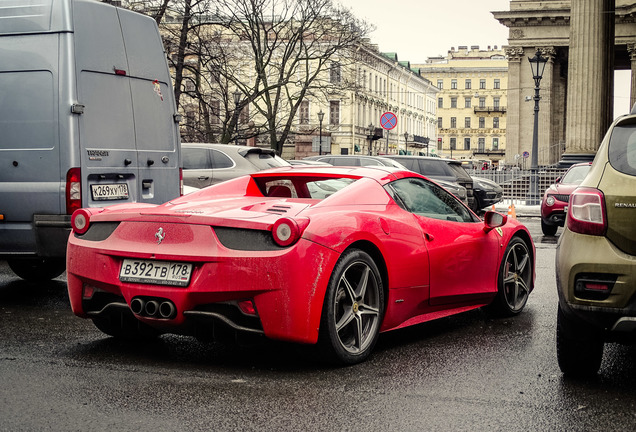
(596, 256)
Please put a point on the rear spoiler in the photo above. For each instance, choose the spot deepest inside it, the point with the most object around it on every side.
(258, 150)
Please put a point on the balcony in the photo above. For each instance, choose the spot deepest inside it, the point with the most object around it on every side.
(490, 109)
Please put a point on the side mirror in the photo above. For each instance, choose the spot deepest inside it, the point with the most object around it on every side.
(494, 220)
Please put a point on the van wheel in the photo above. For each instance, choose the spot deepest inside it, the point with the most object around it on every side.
(38, 269)
(579, 347)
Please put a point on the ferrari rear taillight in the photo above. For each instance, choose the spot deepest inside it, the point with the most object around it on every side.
(73, 190)
(287, 231)
(80, 221)
(586, 213)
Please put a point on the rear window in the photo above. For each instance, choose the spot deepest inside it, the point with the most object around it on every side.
(265, 160)
(622, 148)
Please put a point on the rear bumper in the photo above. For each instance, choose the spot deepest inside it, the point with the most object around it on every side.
(45, 237)
(581, 257)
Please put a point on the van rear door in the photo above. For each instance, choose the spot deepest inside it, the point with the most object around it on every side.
(128, 149)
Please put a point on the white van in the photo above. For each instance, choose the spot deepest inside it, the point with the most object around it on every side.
(87, 119)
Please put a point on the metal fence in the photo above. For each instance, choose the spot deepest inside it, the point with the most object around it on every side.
(516, 182)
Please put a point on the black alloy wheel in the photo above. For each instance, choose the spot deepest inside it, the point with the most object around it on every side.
(514, 281)
(353, 309)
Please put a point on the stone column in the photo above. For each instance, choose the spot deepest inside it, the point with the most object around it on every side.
(631, 48)
(515, 97)
(590, 76)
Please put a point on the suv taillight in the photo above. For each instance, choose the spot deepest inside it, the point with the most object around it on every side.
(73, 190)
(586, 212)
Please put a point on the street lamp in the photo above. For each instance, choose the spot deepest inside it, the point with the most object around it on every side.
(406, 143)
(321, 116)
(371, 132)
(237, 100)
(537, 63)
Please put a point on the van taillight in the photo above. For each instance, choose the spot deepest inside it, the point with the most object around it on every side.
(73, 190)
(586, 212)
(181, 181)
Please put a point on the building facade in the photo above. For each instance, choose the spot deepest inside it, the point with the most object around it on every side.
(471, 103)
(352, 118)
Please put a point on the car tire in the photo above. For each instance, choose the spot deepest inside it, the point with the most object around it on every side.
(38, 269)
(514, 281)
(124, 326)
(579, 347)
(353, 309)
(548, 229)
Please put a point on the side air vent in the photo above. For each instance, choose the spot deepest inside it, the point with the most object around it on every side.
(279, 209)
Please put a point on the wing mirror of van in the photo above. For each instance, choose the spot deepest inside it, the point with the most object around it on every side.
(494, 220)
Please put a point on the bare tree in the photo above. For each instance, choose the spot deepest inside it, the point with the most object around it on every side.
(275, 53)
(296, 49)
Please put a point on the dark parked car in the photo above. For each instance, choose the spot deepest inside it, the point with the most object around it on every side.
(486, 192)
(205, 164)
(596, 256)
(554, 205)
(362, 160)
(437, 169)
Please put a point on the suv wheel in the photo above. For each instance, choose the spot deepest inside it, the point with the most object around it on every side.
(579, 347)
(548, 229)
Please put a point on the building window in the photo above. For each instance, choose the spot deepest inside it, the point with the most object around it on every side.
(467, 122)
(454, 84)
(215, 117)
(439, 122)
(468, 85)
(453, 102)
(453, 143)
(482, 122)
(495, 143)
(440, 102)
(466, 143)
(467, 102)
(334, 112)
(453, 122)
(495, 122)
(481, 144)
(334, 73)
(495, 102)
(482, 84)
(440, 84)
(482, 102)
(303, 113)
(496, 84)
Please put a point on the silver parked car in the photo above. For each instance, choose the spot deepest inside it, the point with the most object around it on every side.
(205, 164)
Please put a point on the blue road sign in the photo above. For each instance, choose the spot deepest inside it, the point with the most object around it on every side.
(388, 120)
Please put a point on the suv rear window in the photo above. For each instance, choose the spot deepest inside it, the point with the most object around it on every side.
(433, 168)
(622, 148)
(265, 160)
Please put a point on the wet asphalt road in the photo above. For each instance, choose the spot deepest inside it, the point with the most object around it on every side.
(462, 373)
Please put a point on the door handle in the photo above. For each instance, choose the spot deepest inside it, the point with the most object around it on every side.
(203, 178)
(429, 237)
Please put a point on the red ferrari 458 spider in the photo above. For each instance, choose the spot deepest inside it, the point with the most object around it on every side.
(329, 256)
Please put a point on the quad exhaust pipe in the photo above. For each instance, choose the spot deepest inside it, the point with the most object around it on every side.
(153, 308)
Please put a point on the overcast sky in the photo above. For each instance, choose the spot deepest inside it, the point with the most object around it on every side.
(418, 29)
